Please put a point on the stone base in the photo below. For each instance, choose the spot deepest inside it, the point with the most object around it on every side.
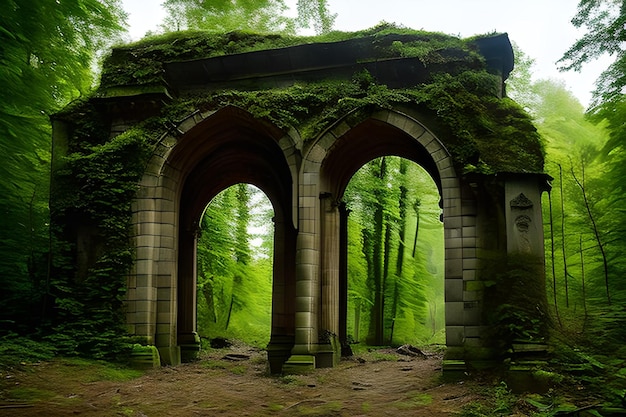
(278, 352)
(189, 347)
(170, 355)
(328, 354)
(453, 369)
(298, 364)
(145, 357)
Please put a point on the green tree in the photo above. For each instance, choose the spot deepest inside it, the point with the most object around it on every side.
(235, 279)
(316, 12)
(401, 294)
(604, 22)
(227, 15)
(47, 52)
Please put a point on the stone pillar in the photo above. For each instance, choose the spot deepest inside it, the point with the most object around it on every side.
(524, 221)
(343, 279)
(330, 349)
(307, 291)
(188, 339)
(282, 338)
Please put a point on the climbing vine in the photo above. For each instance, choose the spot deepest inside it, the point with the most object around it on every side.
(91, 208)
(96, 181)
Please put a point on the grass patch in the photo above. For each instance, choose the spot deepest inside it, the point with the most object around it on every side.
(324, 409)
(415, 401)
(30, 395)
(16, 350)
(295, 380)
(235, 368)
(99, 370)
(275, 407)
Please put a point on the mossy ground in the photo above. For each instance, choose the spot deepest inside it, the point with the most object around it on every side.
(375, 382)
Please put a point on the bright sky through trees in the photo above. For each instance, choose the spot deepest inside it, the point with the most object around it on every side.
(541, 28)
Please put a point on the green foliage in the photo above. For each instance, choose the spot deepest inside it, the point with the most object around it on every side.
(235, 279)
(16, 350)
(514, 297)
(604, 33)
(45, 61)
(405, 297)
(317, 12)
(484, 133)
(224, 16)
(94, 191)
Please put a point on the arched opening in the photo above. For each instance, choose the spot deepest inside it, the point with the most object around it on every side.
(235, 250)
(395, 255)
(327, 169)
(214, 152)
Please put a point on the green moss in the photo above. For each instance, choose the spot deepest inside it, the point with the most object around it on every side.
(515, 300)
(95, 183)
(484, 133)
(142, 63)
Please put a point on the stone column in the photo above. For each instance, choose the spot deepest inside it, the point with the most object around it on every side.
(330, 348)
(282, 338)
(307, 291)
(188, 339)
(343, 279)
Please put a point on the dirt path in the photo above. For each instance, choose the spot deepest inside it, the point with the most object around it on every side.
(379, 383)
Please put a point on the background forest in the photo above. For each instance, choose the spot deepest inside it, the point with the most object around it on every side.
(48, 57)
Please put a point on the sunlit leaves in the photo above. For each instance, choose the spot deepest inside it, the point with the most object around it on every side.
(235, 275)
(47, 51)
(412, 298)
(225, 16)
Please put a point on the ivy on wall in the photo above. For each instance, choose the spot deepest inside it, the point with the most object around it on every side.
(91, 212)
(96, 181)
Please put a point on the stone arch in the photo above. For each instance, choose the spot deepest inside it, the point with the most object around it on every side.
(204, 154)
(328, 164)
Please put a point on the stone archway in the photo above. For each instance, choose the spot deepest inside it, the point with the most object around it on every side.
(495, 205)
(327, 167)
(213, 152)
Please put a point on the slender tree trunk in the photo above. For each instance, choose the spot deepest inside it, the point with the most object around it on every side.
(357, 318)
(416, 207)
(237, 281)
(386, 262)
(368, 252)
(401, 247)
(582, 278)
(596, 232)
(565, 274)
(378, 254)
(207, 292)
(554, 287)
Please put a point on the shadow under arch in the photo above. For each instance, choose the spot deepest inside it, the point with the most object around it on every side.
(213, 152)
(328, 166)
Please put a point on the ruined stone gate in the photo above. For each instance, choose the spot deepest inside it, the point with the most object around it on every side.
(221, 143)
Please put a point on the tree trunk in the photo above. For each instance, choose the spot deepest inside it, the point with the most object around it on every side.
(207, 292)
(401, 248)
(552, 257)
(416, 207)
(582, 278)
(565, 274)
(377, 322)
(596, 232)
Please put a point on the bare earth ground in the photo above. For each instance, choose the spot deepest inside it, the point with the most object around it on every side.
(378, 383)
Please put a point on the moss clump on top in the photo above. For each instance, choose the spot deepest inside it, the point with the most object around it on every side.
(484, 133)
(143, 62)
